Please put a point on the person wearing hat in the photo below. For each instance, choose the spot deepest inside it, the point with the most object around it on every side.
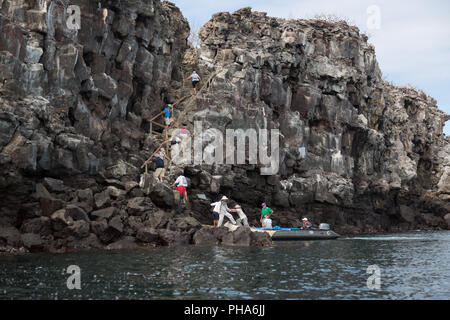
(243, 220)
(306, 224)
(221, 210)
(266, 212)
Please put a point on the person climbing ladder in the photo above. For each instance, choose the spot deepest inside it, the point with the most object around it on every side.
(182, 185)
(160, 170)
(168, 111)
(195, 80)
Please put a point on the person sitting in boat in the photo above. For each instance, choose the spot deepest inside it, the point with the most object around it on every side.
(267, 224)
(306, 224)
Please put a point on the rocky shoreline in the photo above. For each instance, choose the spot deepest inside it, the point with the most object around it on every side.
(356, 152)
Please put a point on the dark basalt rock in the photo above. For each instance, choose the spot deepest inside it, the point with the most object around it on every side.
(355, 151)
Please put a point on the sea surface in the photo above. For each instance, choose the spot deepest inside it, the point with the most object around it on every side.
(413, 265)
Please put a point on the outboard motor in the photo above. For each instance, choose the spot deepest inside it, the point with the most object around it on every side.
(324, 227)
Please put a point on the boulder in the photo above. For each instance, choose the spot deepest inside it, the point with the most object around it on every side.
(80, 229)
(135, 223)
(116, 224)
(130, 185)
(76, 213)
(99, 227)
(41, 226)
(137, 206)
(187, 224)
(10, 236)
(106, 213)
(205, 236)
(127, 243)
(86, 195)
(261, 239)
(172, 238)
(116, 193)
(32, 242)
(60, 220)
(54, 185)
(242, 237)
(102, 199)
(163, 196)
(148, 235)
(157, 220)
(50, 204)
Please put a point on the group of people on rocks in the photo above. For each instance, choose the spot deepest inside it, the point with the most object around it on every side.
(221, 211)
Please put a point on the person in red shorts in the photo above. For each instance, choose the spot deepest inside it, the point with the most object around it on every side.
(182, 185)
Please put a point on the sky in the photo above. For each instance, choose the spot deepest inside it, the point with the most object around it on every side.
(411, 38)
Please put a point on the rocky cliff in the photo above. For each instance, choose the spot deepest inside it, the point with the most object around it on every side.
(74, 103)
(355, 151)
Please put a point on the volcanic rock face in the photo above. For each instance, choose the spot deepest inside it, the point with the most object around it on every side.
(355, 152)
(74, 103)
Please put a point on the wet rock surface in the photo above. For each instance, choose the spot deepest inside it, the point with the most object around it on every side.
(355, 152)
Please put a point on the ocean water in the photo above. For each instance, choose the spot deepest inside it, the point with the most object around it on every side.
(414, 265)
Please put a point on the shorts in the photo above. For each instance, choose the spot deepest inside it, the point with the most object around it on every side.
(216, 216)
(194, 84)
(182, 191)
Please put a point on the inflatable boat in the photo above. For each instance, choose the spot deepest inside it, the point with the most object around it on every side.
(292, 234)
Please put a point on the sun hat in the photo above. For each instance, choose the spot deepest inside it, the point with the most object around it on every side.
(305, 219)
(224, 198)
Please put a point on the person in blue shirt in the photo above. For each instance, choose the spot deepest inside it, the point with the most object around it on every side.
(167, 114)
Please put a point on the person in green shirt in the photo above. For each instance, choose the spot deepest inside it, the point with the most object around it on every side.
(266, 212)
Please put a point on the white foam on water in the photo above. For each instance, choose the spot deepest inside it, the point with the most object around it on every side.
(385, 238)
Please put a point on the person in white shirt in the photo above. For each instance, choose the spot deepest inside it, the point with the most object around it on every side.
(243, 220)
(221, 209)
(182, 185)
(181, 181)
(195, 80)
(267, 224)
